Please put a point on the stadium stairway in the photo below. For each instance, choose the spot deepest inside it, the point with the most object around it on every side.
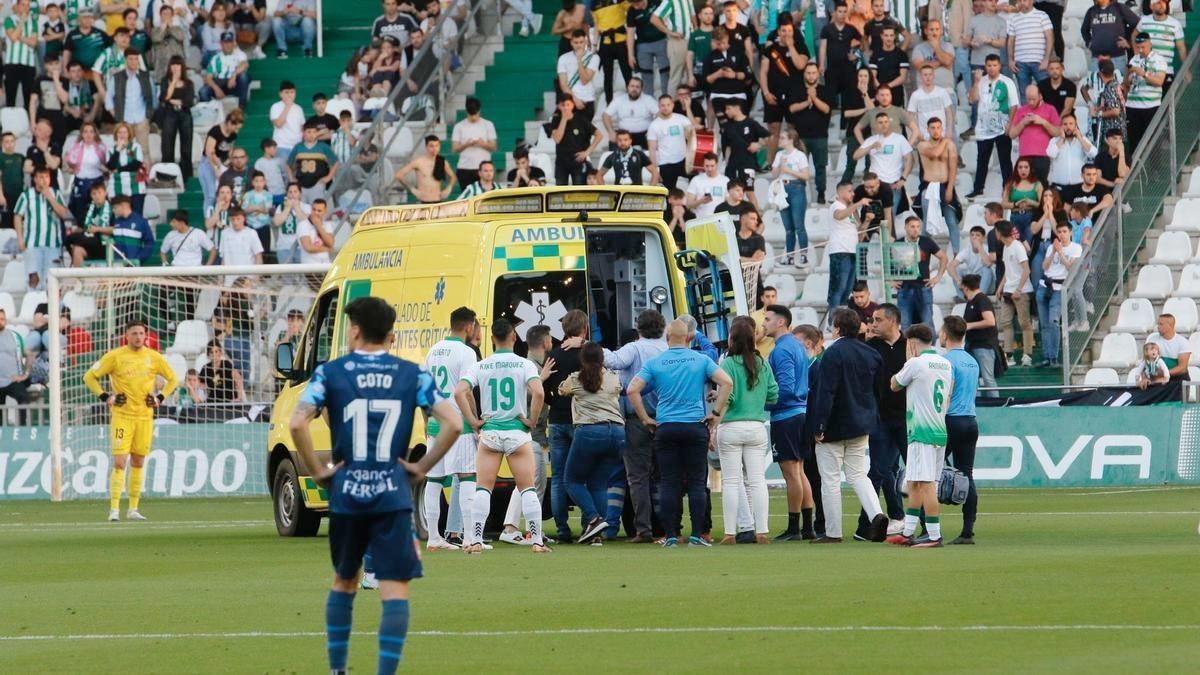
(347, 27)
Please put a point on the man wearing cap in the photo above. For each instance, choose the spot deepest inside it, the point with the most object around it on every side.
(1144, 81)
(226, 73)
(85, 43)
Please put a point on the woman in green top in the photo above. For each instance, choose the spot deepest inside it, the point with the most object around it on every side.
(1021, 196)
(742, 434)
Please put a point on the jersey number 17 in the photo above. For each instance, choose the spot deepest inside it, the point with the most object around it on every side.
(357, 414)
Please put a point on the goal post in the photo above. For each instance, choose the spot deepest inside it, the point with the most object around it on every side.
(206, 442)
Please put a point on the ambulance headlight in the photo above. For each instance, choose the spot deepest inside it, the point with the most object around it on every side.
(658, 295)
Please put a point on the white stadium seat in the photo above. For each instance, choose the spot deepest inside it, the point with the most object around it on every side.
(805, 315)
(1193, 188)
(29, 303)
(1153, 282)
(191, 336)
(206, 303)
(773, 230)
(816, 224)
(1189, 282)
(785, 287)
(8, 304)
(15, 120)
(1136, 316)
(402, 147)
(14, 279)
(959, 310)
(1194, 373)
(1101, 377)
(1185, 216)
(816, 290)
(152, 209)
(944, 293)
(1184, 311)
(6, 236)
(1119, 351)
(1174, 248)
(179, 366)
(1194, 346)
(337, 104)
(938, 319)
(1075, 63)
(82, 306)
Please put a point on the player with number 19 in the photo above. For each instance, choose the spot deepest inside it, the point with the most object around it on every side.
(505, 381)
(370, 399)
(928, 379)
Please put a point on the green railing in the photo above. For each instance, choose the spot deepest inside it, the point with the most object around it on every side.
(1153, 177)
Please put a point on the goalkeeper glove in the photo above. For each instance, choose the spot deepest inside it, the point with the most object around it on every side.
(119, 400)
(153, 401)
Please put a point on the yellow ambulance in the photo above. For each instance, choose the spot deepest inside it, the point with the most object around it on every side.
(528, 255)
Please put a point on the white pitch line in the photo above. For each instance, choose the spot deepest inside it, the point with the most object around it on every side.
(105, 523)
(542, 632)
(1165, 488)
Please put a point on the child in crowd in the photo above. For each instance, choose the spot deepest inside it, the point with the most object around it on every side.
(268, 165)
(258, 203)
(1151, 369)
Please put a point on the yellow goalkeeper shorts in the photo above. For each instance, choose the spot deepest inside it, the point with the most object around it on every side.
(131, 435)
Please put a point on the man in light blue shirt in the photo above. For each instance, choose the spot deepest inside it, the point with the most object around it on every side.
(681, 377)
(639, 461)
(962, 431)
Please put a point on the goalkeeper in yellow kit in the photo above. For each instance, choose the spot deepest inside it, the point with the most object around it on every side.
(133, 371)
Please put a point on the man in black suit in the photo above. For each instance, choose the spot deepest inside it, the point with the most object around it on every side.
(843, 413)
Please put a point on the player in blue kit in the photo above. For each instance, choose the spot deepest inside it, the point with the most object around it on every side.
(370, 398)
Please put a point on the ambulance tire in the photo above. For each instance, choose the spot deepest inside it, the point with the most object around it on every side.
(292, 517)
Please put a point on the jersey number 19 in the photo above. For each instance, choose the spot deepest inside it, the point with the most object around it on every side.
(356, 413)
(503, 394)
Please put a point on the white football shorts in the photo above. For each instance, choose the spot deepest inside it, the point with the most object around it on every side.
(504, 441)
(924, 462)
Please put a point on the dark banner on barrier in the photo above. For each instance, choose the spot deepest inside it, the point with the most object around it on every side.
(1114, 397)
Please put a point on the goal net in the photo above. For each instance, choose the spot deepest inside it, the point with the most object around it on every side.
(217, 328)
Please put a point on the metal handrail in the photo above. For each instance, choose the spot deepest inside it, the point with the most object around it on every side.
(1164, 120)
(380, 121)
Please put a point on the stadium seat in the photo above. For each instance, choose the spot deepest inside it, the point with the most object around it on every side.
(1075, 9)
(1189, 282)
(168, 169)
(773, 230)
(200, 362)
(179, 366)
(14, 279)
(1071, 27)
(1193, 188)
(1136, 316)
(768, 261)
(6, 236)
(337, 104)
(1101, 377)
(152, 209)
(816, 290)
(1153, 282)
(1184, 311)
(401, 147)
(1194, 373)
(1119, 351)
(206, 303)
(817, 225)
(1174, 248)
(29, 303)
(805, 315)
(1075, 63)
(190, 338)
(938, 319)
(945, 293)
(818, 259)
(1194, 346)
(1185, 216)
(83, 307)
(8, 304)
(785, 287)
(15, 120)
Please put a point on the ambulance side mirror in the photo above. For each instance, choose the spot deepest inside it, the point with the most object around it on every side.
(285, 357)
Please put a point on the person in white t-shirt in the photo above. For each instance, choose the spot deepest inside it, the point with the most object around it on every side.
(474, 141)
(791, 166)
(576, 69)
(240, 245)
(1175, 349)
(1057, 264)
(287, 118)
(632, 111)
(316, 241)
(891, 156)
(669, 137)
(184, 245)
(1013, 294)
(707, 189)
(286, 220)
(842, 247)
(928, 101)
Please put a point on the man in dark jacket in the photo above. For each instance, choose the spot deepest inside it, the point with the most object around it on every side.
(844, 413)
(889, 439)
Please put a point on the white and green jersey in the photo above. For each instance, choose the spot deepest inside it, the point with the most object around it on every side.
(125, 182)
(98, 216)
(928, 380)
(16, 52)
(447, 361)
(223, 66)
(41, 224)
(1163, 35)
(343, 146)
(1142, 94)
(502, 379)
(112, 61)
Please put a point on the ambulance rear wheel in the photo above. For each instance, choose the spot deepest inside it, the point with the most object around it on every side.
(292, 517)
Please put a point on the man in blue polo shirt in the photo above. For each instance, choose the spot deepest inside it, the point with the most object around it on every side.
(789, 364)
(680, 376)
(962, 431)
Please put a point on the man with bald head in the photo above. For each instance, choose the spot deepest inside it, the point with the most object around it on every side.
(1033, 126)
(680, 377)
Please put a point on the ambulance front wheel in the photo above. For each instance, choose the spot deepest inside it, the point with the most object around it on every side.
(292, 517)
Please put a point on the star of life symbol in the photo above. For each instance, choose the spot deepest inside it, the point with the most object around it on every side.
(541, 311)
(439, 290)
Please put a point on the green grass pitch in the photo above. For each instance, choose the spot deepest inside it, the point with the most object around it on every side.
(1065, 581)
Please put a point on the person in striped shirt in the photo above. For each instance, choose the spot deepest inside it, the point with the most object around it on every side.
(1030, 43)
(20, 52)
(675, 18)
(344, 140)
(486, 182)
(1144, 81)
(111, 61)
(37, 220)
(85, 243)
(226, 73)
(125, 163)
(1166, 37)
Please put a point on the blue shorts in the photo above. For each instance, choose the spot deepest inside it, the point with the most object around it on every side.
(787, 440)
(389, 536)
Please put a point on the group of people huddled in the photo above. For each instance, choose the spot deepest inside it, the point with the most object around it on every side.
(629, 432)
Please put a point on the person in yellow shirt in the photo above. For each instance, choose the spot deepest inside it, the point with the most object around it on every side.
(763, 343)
(133, 371)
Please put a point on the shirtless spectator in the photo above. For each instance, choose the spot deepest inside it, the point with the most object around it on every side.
(435, 176)
(939, 163)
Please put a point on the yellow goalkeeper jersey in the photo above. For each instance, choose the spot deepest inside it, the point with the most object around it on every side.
(133, 373)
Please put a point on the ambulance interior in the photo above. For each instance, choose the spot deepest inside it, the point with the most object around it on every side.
(627, 272)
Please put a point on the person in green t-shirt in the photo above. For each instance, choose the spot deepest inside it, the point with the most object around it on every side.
(700, 44)
(12, 176)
